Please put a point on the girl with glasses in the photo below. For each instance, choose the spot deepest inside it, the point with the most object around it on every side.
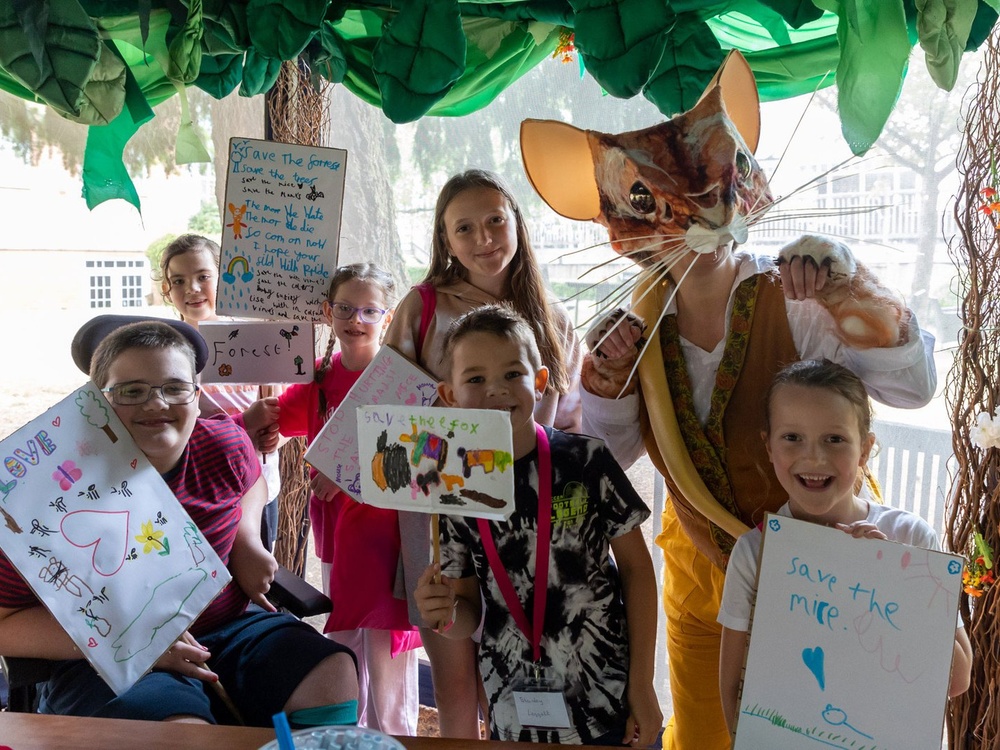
(358, 544)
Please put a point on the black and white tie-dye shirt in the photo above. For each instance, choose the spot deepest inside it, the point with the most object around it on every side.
(585, 640)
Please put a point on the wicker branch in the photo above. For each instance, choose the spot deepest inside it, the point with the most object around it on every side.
(296, 112)
(974, 386)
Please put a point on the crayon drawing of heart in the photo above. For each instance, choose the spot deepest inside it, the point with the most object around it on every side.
(56, 421)
(135, 461)
(105, 531)
(92, 643)
(813, 659)
(412, 399)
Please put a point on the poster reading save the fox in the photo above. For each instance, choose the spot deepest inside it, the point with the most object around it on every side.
(100, 538)
(437, 460)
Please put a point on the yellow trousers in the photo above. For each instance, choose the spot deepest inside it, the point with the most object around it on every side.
(692, 593)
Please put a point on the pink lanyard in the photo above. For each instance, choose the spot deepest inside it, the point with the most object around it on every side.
(533, 632)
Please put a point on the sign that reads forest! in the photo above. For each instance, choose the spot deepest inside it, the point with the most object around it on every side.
(99, 537)
(851, 642)
(281, 229)
(258, 351)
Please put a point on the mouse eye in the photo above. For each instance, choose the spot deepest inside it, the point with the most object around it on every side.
(742, 165)
(641, 200)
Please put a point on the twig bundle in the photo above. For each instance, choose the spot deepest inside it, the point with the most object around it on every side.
(296, 112)
(973, 387)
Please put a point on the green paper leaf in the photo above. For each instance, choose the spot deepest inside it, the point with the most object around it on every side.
(874, 51)
(58, 74)
(420, 56)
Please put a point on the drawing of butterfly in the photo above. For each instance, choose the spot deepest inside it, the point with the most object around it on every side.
(287, 335)
(66, 475)
(313, 194)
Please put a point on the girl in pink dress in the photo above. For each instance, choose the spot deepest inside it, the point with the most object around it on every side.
(358, 544)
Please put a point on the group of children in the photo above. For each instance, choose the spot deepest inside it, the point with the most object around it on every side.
(550, 615)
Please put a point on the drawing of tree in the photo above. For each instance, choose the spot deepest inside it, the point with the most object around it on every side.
(96, 413)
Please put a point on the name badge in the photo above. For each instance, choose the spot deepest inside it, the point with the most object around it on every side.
(541, 709)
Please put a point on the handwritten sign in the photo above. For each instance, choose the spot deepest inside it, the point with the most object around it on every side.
(258, 352)
(437, 460)
(851, 642)
(101, 539)
(390, 378)
(281, 229)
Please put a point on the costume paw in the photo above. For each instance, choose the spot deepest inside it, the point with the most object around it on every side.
(598, 333)
(822, 251)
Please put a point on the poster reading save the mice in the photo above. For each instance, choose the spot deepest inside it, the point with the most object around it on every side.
(99, 537)
(850, 644)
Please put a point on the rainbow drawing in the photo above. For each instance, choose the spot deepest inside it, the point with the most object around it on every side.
(230, 275)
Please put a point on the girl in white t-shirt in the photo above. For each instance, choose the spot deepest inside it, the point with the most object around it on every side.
(817, 430)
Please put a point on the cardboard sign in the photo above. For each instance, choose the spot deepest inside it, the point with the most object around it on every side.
(851, 642)
(101, 539)
(437, 460)
(281, 229)
(390, 379)
(258, 352)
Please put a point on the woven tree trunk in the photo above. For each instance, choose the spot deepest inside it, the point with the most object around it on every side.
(974, 387)
(294, 112)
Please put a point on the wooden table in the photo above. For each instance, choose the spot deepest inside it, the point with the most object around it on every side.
(37, 732)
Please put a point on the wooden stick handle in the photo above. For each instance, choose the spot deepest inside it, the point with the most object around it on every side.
(436, 559)
(217, 686)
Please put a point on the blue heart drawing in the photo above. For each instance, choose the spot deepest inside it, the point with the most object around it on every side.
(813, 658)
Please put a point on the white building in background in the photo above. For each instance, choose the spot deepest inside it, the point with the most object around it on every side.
(55, 253)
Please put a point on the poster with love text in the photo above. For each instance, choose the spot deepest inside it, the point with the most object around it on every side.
(390, 378)
(281, 229)
(851, 642)
(101, 539)
(437, 460)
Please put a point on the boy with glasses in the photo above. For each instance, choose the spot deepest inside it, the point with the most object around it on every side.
(270, 662)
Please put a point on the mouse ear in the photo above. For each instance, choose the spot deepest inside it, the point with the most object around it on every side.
(739, 96)
(560, 166)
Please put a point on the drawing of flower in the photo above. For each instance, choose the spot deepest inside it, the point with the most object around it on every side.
(149, 539)
(986, 433)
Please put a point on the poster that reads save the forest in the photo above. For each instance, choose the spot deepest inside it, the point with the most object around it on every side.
(281, 229)
(100, 538)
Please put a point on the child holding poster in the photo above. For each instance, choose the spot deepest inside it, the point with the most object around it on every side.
(268, 661)
(566, 656)
(358, 544)
(481, 253)
(817, 428)
(189, 276)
